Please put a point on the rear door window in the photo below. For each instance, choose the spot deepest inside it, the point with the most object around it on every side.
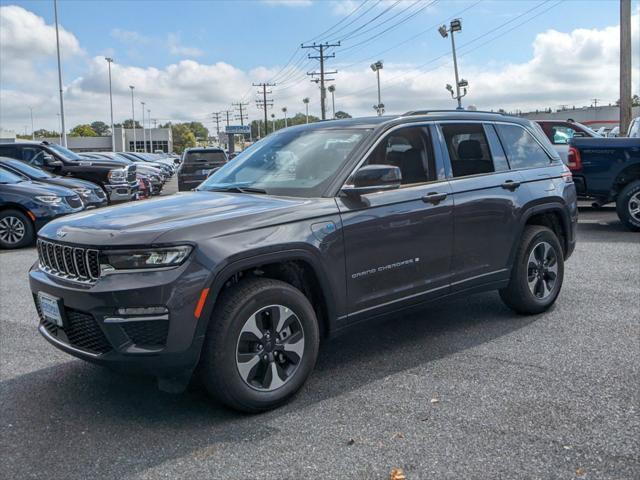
(523, 151)
(10, 151)
(468, 149)
(211, 156)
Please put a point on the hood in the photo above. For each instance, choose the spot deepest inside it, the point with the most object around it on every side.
(69, 182)
(29, 188)
(113, 163)
(180, 217)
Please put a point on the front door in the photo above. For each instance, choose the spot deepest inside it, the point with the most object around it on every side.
(398, 243)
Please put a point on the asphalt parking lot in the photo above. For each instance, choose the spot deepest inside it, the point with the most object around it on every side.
(465, 389)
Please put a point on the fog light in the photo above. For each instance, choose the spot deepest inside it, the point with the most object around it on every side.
(143, 311)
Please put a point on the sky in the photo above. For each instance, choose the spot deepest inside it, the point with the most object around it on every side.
(188, 59)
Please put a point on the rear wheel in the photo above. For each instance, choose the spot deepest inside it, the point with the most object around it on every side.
(16, 229)
(628, 206)
(261, 345)
(537, 274)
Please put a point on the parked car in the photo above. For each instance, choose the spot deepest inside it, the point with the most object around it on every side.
(118, 181)
(560, 134)
(26, 206)
(92, 195)
(607, 170)
(166, 169)
(311, 230)
(197, 164)
(154, 174)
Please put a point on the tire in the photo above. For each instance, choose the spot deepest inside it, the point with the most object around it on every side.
(230, 339)
(16, 229)
(628, 206)
(544, 268)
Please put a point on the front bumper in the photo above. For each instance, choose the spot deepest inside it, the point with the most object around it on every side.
(164, 344)
(123, 192)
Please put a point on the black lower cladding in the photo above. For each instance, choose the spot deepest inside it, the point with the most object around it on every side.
(80, 331)
(151, 333)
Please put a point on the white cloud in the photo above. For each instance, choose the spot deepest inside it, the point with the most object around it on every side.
(129, 36)
(289, 3)
(176, 48)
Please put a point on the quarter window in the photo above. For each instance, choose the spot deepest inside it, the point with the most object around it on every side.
(410, 150)
(468, 149)
(523, 151)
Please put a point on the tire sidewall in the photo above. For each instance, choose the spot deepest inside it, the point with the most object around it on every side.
(231, 379)
(29, 234)
(622, 206)
(551, 239)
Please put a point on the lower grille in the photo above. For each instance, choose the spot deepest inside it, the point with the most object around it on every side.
(148, 334)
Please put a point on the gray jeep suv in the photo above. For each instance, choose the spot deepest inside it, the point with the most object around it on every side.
(311, 230)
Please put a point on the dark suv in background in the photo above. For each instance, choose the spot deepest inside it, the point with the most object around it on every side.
(197, 164)
(313, 229)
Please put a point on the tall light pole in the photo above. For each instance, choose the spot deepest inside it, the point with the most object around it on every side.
(150, 141)
(305, 100)
(60, 126)
(284, 110)
(376, 67)
(113, 133)
(332, 89)
(63, 133)
(33, 135)
(454, 26)
(144, 132)
(133, 119)
(273, 122)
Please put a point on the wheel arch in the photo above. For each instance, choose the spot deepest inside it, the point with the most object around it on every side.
(20, 208)
(627, 175)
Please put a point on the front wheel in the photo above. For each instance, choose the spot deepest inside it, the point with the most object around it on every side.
(628, 206)
(537, 274)
(261, 345)
(16, 229)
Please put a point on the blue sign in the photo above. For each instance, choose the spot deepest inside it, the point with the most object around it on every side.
(238, 129)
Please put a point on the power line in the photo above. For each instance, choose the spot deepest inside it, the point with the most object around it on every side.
(320, 48)
(242, 116)
(326, 32)
(264, 103)
(353, 32)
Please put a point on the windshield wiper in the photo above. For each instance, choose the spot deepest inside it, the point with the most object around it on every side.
(238, 189)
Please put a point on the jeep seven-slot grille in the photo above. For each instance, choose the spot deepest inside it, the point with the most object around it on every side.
(71, 263)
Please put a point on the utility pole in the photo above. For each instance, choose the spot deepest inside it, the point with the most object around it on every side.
(133, 119)
(595, 102)
(242, 116)
(216, 118)
(33, 135)
(113, 133)
(264, 103)
(320, 48)
(144, 132)
(625, 66)
(63, 133)
(227, 112)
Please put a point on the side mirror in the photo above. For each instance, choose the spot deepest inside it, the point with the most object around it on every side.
(51, 162)
(373, 178)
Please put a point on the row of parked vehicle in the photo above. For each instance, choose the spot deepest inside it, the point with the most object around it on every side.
(40, 181)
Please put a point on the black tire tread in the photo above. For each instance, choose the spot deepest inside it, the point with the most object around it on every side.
(621, 205)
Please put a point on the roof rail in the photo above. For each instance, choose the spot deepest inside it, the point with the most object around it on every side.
(425, 112)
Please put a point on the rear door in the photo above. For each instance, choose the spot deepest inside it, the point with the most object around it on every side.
(197, 166)
(398, 243)
(488, 197)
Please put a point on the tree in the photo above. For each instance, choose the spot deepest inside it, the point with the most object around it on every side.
(198, 129)
(128, 123)
(43, 133)
(101, 128)
(183, 137)
(83, 130)
(341, 114)
(297, 119)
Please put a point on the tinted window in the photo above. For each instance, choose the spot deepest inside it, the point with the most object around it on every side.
(8, 177)
(468, 149)
(205, 156)
(522, 150)
(410, 150)
(11, 152)
(30, 171)
(33, 155)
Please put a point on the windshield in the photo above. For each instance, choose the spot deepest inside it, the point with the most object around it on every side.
(296, 162)
(30, 171)
(8, 177)
(65, 153)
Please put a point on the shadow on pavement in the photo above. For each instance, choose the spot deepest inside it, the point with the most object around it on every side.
(89, 422)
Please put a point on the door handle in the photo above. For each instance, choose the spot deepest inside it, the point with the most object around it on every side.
(434, 197)
(510, 185)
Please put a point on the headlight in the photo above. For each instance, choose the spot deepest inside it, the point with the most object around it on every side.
(49, 199)
(117, 176)
(144, 259)
(83, 192)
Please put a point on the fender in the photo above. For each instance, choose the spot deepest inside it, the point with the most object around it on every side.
(531, 210)
(253, 259)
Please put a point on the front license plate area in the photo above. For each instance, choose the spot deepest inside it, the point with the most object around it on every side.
(50, 308)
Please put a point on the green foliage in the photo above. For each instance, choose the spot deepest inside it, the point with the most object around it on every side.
(297, 119)
(198, 129)
(341, 114)
(183, 137)
(43, 133)
(101, 128)
(82, 130)
(128, 123)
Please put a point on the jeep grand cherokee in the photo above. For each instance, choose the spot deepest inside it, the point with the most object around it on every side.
(310, 230)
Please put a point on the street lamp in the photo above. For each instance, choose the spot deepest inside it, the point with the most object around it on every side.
(133, 119)
(454, 26)
(305, 100)
(150, 140)
(273, 122)
(284, 110)
(376, 67)
(33, 134)
(332, 89)
(113, 133)
(144, 132)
